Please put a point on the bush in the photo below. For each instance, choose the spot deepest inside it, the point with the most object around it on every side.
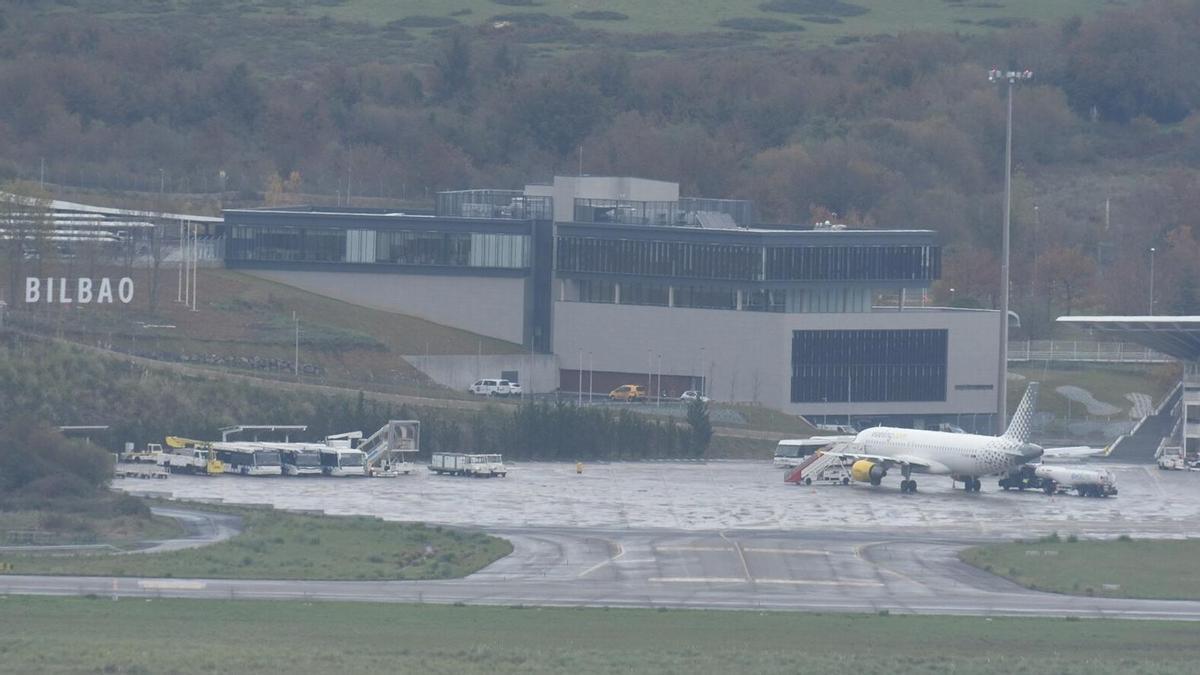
(760, 25)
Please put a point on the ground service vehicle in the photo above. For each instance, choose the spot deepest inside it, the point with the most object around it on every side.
(693, 395)
(189, 460)
(1055, 479)
(343, 461)
(490, 388)
(464, 464)
(792, 452)
(628, 392)
(1172, 459)
(300, 461)
(248, 459)
(515, 389)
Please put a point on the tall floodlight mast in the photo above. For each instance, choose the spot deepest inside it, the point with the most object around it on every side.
(1012, 77)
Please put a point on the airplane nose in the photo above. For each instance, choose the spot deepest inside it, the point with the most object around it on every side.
(1031, 451)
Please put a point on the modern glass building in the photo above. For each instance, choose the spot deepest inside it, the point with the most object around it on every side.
(625, 279)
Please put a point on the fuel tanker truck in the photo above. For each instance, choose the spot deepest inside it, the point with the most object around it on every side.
(1054, 479)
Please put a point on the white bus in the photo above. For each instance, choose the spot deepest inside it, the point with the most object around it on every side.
(793, 451)
(301, 460)
(343, 461)
(248, 459)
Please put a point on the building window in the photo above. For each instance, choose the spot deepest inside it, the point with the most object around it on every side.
(974, 387)
(852, 366)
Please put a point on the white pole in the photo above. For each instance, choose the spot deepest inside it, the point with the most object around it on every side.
(1002, 385)
(195, 264)
(296, 363)
(579, 398)
(185, 252)
(179, 284)
(591, 374)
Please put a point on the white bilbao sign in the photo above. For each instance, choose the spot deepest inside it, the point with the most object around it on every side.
(83, 291)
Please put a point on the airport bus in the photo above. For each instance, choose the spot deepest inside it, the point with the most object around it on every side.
(343, 461)
(792, 452)
(300, 460)
(248, 459)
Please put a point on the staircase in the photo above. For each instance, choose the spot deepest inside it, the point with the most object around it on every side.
(810, 468)
(1142, 445)
(395, 436)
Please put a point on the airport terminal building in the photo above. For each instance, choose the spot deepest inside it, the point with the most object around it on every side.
(625, 280)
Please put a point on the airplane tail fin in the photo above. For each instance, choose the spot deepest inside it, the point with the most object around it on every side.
(1022, 421)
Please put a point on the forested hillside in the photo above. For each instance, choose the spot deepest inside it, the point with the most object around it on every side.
(893, 132)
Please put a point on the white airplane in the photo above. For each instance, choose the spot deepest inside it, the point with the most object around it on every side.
(963, 457)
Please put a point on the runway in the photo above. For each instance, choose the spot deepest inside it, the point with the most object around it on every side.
(722, 535)
(798, 571)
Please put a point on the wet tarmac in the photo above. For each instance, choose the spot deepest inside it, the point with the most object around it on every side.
(714, 496)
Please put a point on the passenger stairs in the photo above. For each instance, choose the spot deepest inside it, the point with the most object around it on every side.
(396, 437)
(817, 467)
(1142, 445)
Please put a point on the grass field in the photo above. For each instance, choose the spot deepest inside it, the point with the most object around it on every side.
(60, 528)
(179, 636)
(1106, 383)
(278, 35)
(280, 545)
(1122, 568)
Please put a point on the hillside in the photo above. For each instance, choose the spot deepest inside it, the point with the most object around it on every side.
(244, 324)
(249, 102)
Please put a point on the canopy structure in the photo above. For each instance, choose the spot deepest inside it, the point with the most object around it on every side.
(1175, 425)
(1177, 336)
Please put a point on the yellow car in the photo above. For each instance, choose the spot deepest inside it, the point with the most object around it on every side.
(628, 392)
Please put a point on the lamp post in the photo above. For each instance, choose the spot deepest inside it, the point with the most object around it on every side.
(591, 373)
(1011, 77)
(1152, 250)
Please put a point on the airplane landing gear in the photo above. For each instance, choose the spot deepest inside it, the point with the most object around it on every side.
(972, 484)
(908, 486)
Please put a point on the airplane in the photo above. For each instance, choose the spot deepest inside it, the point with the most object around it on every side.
(963, 457)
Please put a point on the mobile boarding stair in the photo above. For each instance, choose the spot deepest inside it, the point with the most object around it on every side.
(820, 467)
(386, 449)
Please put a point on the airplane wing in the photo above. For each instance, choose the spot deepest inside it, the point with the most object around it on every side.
(919, 463)
(1074, 452)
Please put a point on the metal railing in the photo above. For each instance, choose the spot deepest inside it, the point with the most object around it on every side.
(1083, 351)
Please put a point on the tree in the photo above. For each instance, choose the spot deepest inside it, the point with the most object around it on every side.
(701, 427)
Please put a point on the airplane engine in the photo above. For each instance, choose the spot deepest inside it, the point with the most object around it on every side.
(866, 471)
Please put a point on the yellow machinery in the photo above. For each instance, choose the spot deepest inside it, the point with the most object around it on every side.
(212, 465)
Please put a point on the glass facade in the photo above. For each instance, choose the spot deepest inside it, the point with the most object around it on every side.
(659, 258)
(851, 366)
(853, 263)
(746, 262)
(393, 247)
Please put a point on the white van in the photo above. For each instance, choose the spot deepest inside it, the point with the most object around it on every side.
(490, 388)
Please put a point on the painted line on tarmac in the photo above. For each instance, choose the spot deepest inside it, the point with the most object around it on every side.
(728, 549)
(602, 563)
(780, 582)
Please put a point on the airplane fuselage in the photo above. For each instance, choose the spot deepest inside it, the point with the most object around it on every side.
(959, 455)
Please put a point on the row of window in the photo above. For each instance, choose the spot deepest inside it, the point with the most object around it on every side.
(837, 300)
(404, 247)
(743, 262)
(845, 366)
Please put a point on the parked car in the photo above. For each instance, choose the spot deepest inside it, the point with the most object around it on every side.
(491, 388)
(693, 395)
(628, 392)
(515, 389)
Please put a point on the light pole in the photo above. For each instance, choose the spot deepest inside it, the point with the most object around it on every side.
(579, 398)
(591, 373)
(1011, 77)
(658, 394)
(1152, 250)
(296, 363)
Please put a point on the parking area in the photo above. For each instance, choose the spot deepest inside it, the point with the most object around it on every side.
(714, 496)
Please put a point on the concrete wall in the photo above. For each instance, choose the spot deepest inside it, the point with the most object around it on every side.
(537, 374)
(486, 305)
(746, 356)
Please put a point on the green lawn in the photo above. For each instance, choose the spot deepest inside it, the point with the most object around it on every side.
(270, 32)
(1123, 568)
(1106, 383)
(280, 545)
(60, 635)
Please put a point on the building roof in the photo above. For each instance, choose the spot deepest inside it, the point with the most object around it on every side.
(1177, 336)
